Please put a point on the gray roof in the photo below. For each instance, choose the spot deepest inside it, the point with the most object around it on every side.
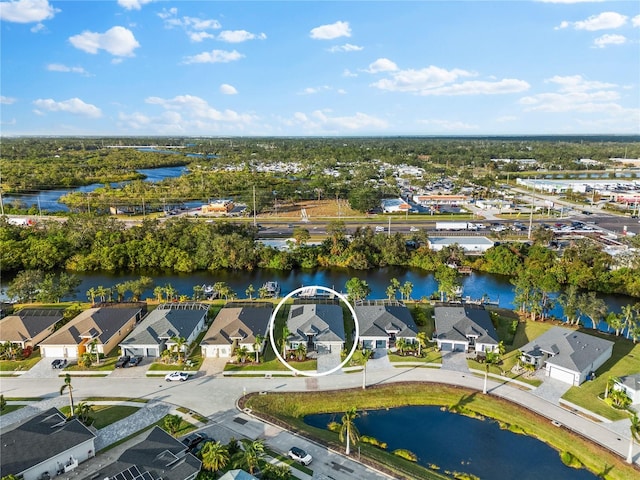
(163, 324)
(631, 381)
(237, 475)
(238, 322)
(571, 349)
(44, 436)
(157, 455)
(323, 321)
(28, 323)
(461, 241)
(379, 320)
(458, 323)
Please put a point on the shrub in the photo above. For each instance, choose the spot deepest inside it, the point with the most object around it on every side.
(27, 351)
(570, 460)
(373, 441)
(406, 454)
(333, 427)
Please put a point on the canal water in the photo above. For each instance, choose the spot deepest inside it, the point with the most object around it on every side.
(49, 200)
(457, 443)
(495, 287)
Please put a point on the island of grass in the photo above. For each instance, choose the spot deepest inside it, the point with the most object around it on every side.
(289, 409)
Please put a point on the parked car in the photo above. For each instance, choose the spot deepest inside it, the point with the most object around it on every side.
(298, 455)
(176, 376)
(59, 363)
(135, 361)
(193, 440)
(123, 361)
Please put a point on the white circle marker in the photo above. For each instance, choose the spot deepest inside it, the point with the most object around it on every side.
(272, 322)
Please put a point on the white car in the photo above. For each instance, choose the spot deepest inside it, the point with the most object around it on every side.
(298, 455)
(176, 376)
(379, 229)
(414, 229)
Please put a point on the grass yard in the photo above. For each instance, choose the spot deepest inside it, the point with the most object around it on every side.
(107, 414)
(20, 365)
(10, 408)
(289, 409)
(106, 364)
(432, 356)
(625, 360)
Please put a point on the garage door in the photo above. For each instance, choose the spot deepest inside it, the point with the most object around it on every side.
(71, 352)
(381, 344)
(446, 346)
(52, 352)
(558, 374)
(458, 347)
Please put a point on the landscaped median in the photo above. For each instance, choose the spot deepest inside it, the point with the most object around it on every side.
(289, 409)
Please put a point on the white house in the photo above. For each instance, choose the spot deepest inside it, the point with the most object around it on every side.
(317, 326)
(631, 386)
(237, 327)
(465, 328)
(45, 446)
(381, 324)
(567, 355)
(468, 244)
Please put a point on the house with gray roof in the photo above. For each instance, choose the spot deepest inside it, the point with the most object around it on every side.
(465, 328)
(157, 456)
(566, 354)
(29, 326)
(317, 326)
(237, 327)
(155, 332)
(382, 323)
(45, 446)
(631, 386)
(107, 325)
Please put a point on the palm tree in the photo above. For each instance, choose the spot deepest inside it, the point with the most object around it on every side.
(635, 435)
(172, 423)
(611, 381)
(178, 346)
(421, 337)
(492, 358)
(91, 294)
(390, 291)
(241, 353)
(301, 351)
(366, 355)
(250, 291)
(283, 340)
(401, 344)
(215, 456)
(250, 455)
(93, 348)
(67, 386)
(348, 429)
(406, 290)
(257, 345)
(83, 412)
(158, 292)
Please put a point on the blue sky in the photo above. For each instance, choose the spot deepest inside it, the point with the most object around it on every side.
(297, 68)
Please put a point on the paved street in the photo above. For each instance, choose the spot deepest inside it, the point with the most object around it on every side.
(215, 397)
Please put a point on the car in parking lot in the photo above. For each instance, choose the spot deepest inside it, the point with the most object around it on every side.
(59, 363)
(135, 361)
(176, 376)
(298, 455)
(123, 361)
(193, 440)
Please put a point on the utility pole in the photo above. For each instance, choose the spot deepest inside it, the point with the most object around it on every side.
(531, 218)
(389, 229)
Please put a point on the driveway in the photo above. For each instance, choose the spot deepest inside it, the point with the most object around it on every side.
(328, 360)
(551, 389)
(456, 361)
(42, 369)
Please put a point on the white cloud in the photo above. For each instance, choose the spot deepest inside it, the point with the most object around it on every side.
(575, 94)
(506, 118)
(26, 11)
(197, 29)
(238, 36)
(635, 21)
(609, 39)
(321, 120)
(347, 47)
(7, 100)
(118, 41)
(603, 21)
(449, 125)
(133, 4)
(38, 27)
(196, 109)
(215, 56)
(331, 31)
(73, 105)
(58, 67)
(342, 91)
(227, 89)
(382, 65)
(348, 73)
(314, 90)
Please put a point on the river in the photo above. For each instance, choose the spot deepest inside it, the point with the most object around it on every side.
(496, 287)
(457, 443)
(49, 200)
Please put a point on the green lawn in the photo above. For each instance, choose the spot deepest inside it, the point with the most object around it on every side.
(625, 360)
(432, 356)
(20, 365)
(10, 408)
(107, 414)
(106, 364)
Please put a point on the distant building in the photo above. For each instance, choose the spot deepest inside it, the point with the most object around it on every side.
(218, 207)
(426, 200)
(394, 205)
(468, 244)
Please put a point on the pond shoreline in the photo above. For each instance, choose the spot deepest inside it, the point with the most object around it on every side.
(511, 415)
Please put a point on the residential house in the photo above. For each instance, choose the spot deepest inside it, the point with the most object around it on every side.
(319, 327)
(108, 325)
(237, 327)
(169, 321)
(29, 326)
(465, 328)
(566, 354)
(157, 456)
(470, 245)
(237, 474)
(381, 324)
(45, 446)
(631, 386)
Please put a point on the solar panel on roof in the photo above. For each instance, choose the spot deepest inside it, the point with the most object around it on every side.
(147, 476)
